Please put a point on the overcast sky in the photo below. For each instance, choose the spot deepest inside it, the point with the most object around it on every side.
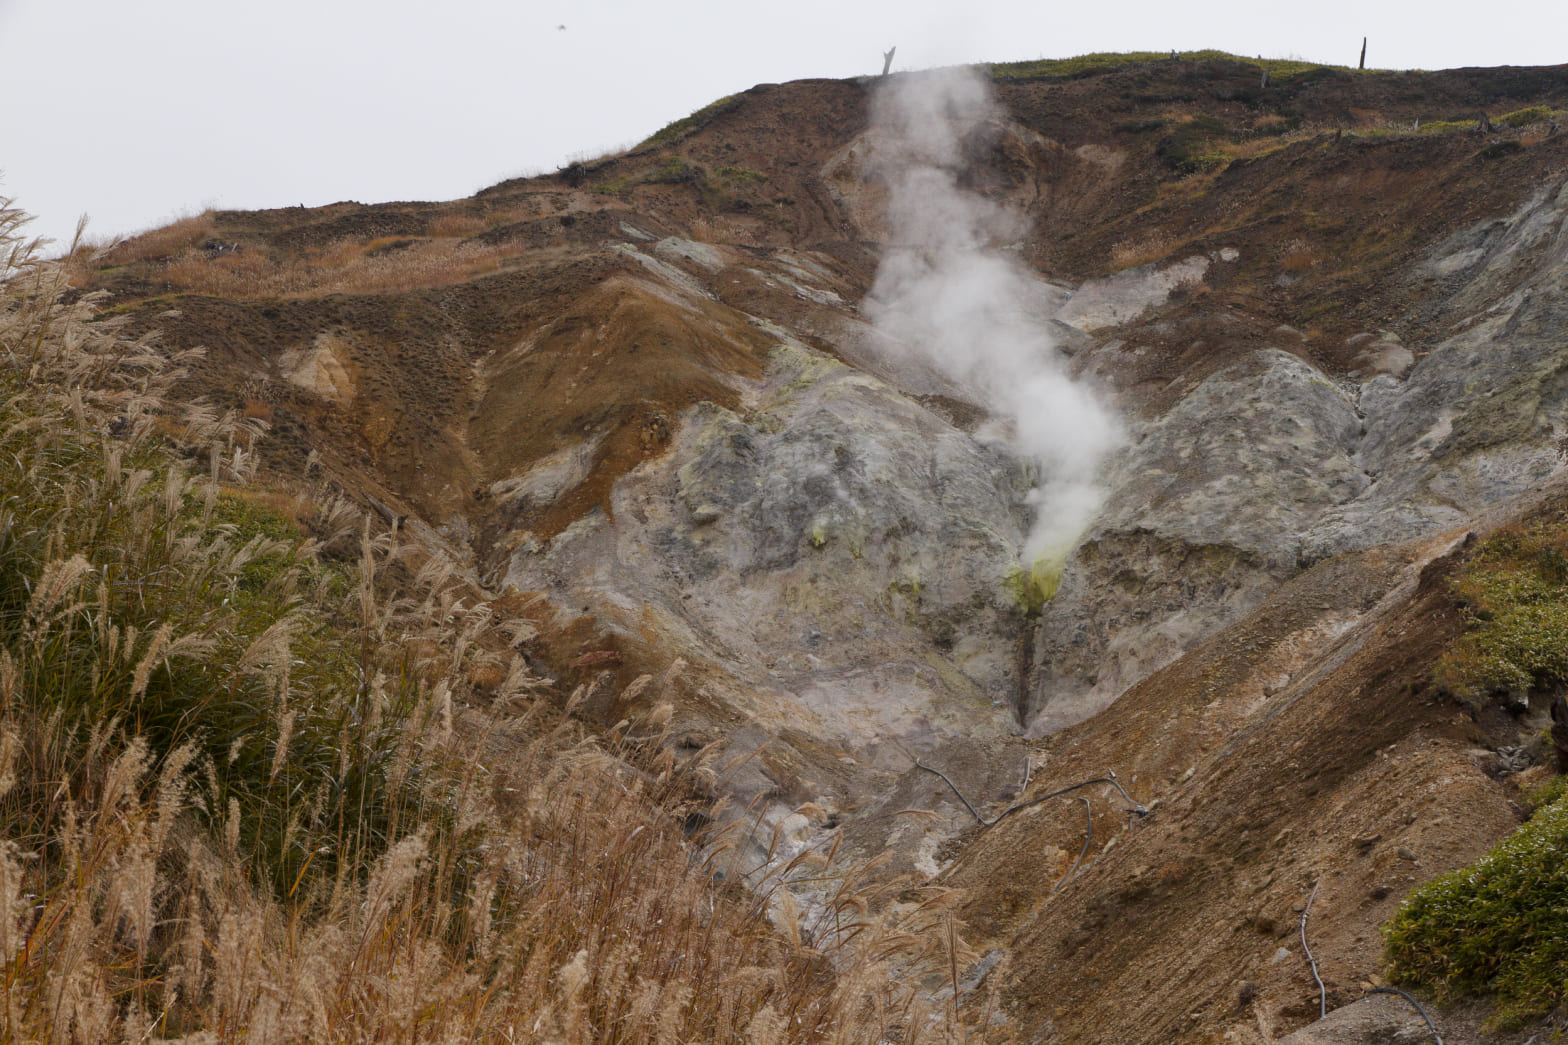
(138, 111)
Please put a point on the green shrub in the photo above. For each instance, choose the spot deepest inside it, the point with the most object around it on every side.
(679, 129)
(1524, 117)
(734, 175)
(617, 186)
(1446, 126)
(1188, 148)
(1090, 64)
(1514, 592)
(676, 170)
(1498, 927)
(1548, 791)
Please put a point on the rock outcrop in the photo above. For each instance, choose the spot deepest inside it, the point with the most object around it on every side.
(1272, 464)
(837, 562)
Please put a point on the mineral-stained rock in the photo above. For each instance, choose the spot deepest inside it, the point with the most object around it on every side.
(1206, 507)
(837, 559)
(1270, 465)
(1130, 293)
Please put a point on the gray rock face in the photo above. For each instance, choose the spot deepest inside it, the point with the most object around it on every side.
(1374, 1020)
(851, 491)
(1270, 465)
(1481, 417)
(1243, 460)
(840, 565)
(1207, 507)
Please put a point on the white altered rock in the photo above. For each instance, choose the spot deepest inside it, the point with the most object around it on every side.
(1122, 298)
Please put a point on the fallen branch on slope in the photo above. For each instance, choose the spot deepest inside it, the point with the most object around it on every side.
(1109, 778)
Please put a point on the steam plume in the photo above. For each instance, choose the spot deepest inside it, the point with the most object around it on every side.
(946, 293)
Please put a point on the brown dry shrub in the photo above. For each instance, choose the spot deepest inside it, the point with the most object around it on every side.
(458, 226)
(168, 241)
(347, 267)
(1141, 251)
(239, 273)
(1298, 257)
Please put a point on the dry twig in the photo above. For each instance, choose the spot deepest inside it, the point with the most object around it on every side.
(1109, 778)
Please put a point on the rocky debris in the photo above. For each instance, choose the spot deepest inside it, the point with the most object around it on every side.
(1379, 1017)
(1380, 354)
(322, 368)
(548, 479)
(704, 256)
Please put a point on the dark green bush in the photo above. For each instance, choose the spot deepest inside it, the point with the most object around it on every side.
(1141, 126)
(1498, 927)
(1499, 149)
(1514, 591)
(1189, 147)
(675, 171)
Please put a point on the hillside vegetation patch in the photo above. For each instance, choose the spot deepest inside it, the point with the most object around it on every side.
(1498, 927)
(1106, 61)
(678, 129)
(1524, 117)
(1191, 146)
(1514, 590)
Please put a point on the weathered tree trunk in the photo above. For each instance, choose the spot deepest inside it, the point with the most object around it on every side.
(1363, 64)
(887, 59)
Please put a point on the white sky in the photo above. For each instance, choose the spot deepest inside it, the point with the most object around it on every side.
(136, 111)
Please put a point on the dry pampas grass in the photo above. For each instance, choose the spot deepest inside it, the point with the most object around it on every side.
(249, 793)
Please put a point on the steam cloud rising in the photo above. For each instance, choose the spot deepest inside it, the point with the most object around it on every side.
(947, 294)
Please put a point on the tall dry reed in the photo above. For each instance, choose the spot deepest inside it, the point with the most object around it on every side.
(248, 792)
